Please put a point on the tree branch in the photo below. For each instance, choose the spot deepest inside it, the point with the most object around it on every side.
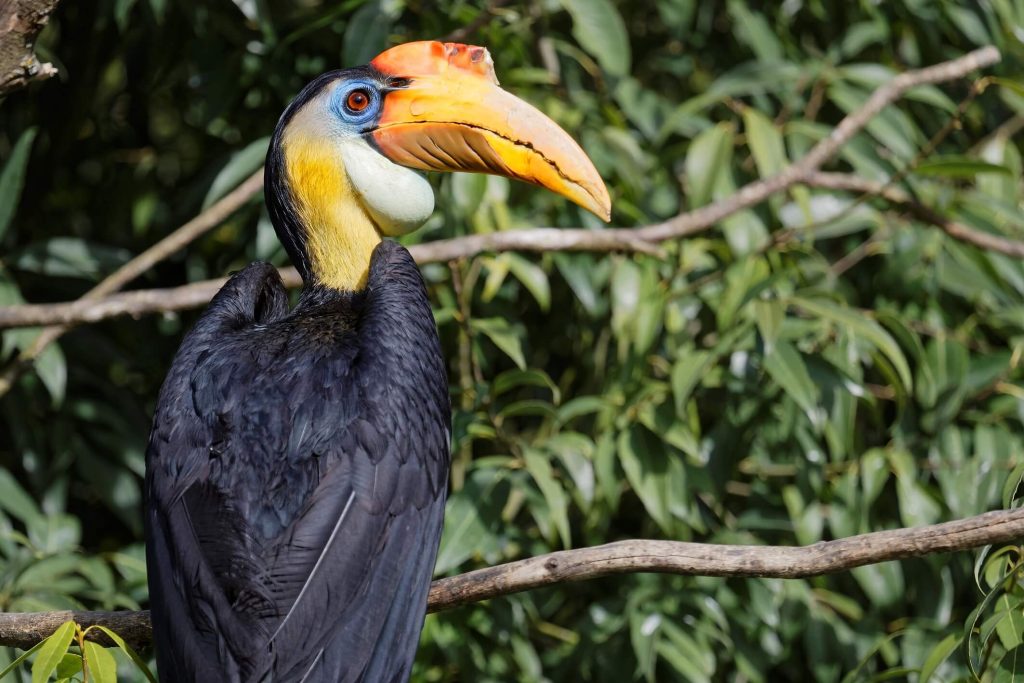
(93, 307)
(797, 173)
(894, 195)
(179, 239)
(20, 24)
(624, 557)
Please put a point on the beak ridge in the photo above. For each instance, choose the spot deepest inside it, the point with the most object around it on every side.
(452, 116)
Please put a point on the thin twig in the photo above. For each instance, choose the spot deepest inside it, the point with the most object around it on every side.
(641, 239)
(173, 299)
(216, 214)
(893, 195)
(627, 557)
(758, 191)
(193, 295)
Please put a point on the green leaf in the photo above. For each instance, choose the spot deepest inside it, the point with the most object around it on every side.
(1010, 627)
(242, 165)
(101, 665)
(53, 372)
(533, 278)
(21, 659)
(1014, 86)
(132, 654)
(753, 29)
(882, 583)
(891, 127)
(540, 469)
(654, 473)
(504, 337)
(627, 281)
(765, 141)
(686, 374)
(859, 324)
(937, 656)
(12, 178)
(70, 257)
(956, 166)
(497, 271)
(15, 501)
(599, 29)
(367, 32)
(769, 315)
(1011, 667)
(1011, 486)
(466, 531)
(787, 368)
(709, 155)
(511, 379)
(70, 666)
(52, 652)
(579, 406)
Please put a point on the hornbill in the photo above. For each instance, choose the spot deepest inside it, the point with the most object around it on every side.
(297, 467)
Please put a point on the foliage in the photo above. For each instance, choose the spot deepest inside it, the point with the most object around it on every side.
(818, 366)
(53, 657)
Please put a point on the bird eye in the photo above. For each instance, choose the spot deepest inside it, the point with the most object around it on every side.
(357, 101)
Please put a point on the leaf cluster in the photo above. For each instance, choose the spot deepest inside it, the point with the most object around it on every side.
(822, 365)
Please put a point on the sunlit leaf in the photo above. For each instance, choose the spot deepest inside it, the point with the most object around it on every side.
(787, 368)
(862, 326)
(953, 166)
(599, 28)
(100, 663)
(70, 665)
(708, 156)
(765, 142)
(128, 650)
(558, 504)
(52, 652)
(504, 337)
(533, 278)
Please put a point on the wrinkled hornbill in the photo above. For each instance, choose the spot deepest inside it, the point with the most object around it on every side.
(298, 462)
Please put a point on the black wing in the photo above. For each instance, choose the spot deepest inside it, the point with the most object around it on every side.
(296, 477)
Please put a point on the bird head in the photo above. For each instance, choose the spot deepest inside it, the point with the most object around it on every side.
(344, 161)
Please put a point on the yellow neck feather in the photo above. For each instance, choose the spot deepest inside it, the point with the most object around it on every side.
(340, 236)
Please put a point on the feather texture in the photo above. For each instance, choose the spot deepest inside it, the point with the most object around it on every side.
(296, 477)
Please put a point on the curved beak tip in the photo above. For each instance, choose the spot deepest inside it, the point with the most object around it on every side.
(453, 116)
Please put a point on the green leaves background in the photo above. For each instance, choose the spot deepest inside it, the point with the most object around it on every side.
(818, 366)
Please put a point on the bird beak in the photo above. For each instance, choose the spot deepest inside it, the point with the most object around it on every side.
(444, 111)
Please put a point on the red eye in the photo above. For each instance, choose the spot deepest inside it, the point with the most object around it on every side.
(357, 100)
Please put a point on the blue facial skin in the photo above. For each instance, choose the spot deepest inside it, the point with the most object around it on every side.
(357, 121)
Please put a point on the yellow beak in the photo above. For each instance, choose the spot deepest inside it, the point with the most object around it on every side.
(447, 113)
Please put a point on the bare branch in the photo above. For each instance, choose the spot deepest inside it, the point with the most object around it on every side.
(549, 239)
(625, 557)
(201, 224)
(894, 195)
(706, 559)
(758, 191)
(196, 294)
(25, 629)
(20, 24)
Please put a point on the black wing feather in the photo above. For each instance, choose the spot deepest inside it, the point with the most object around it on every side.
(296, 479)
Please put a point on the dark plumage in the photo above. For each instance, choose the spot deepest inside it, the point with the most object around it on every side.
(297, 471)
(298, 464)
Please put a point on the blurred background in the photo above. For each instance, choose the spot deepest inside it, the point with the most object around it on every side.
(821, 365)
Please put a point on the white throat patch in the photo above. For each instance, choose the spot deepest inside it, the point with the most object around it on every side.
(397, 198)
